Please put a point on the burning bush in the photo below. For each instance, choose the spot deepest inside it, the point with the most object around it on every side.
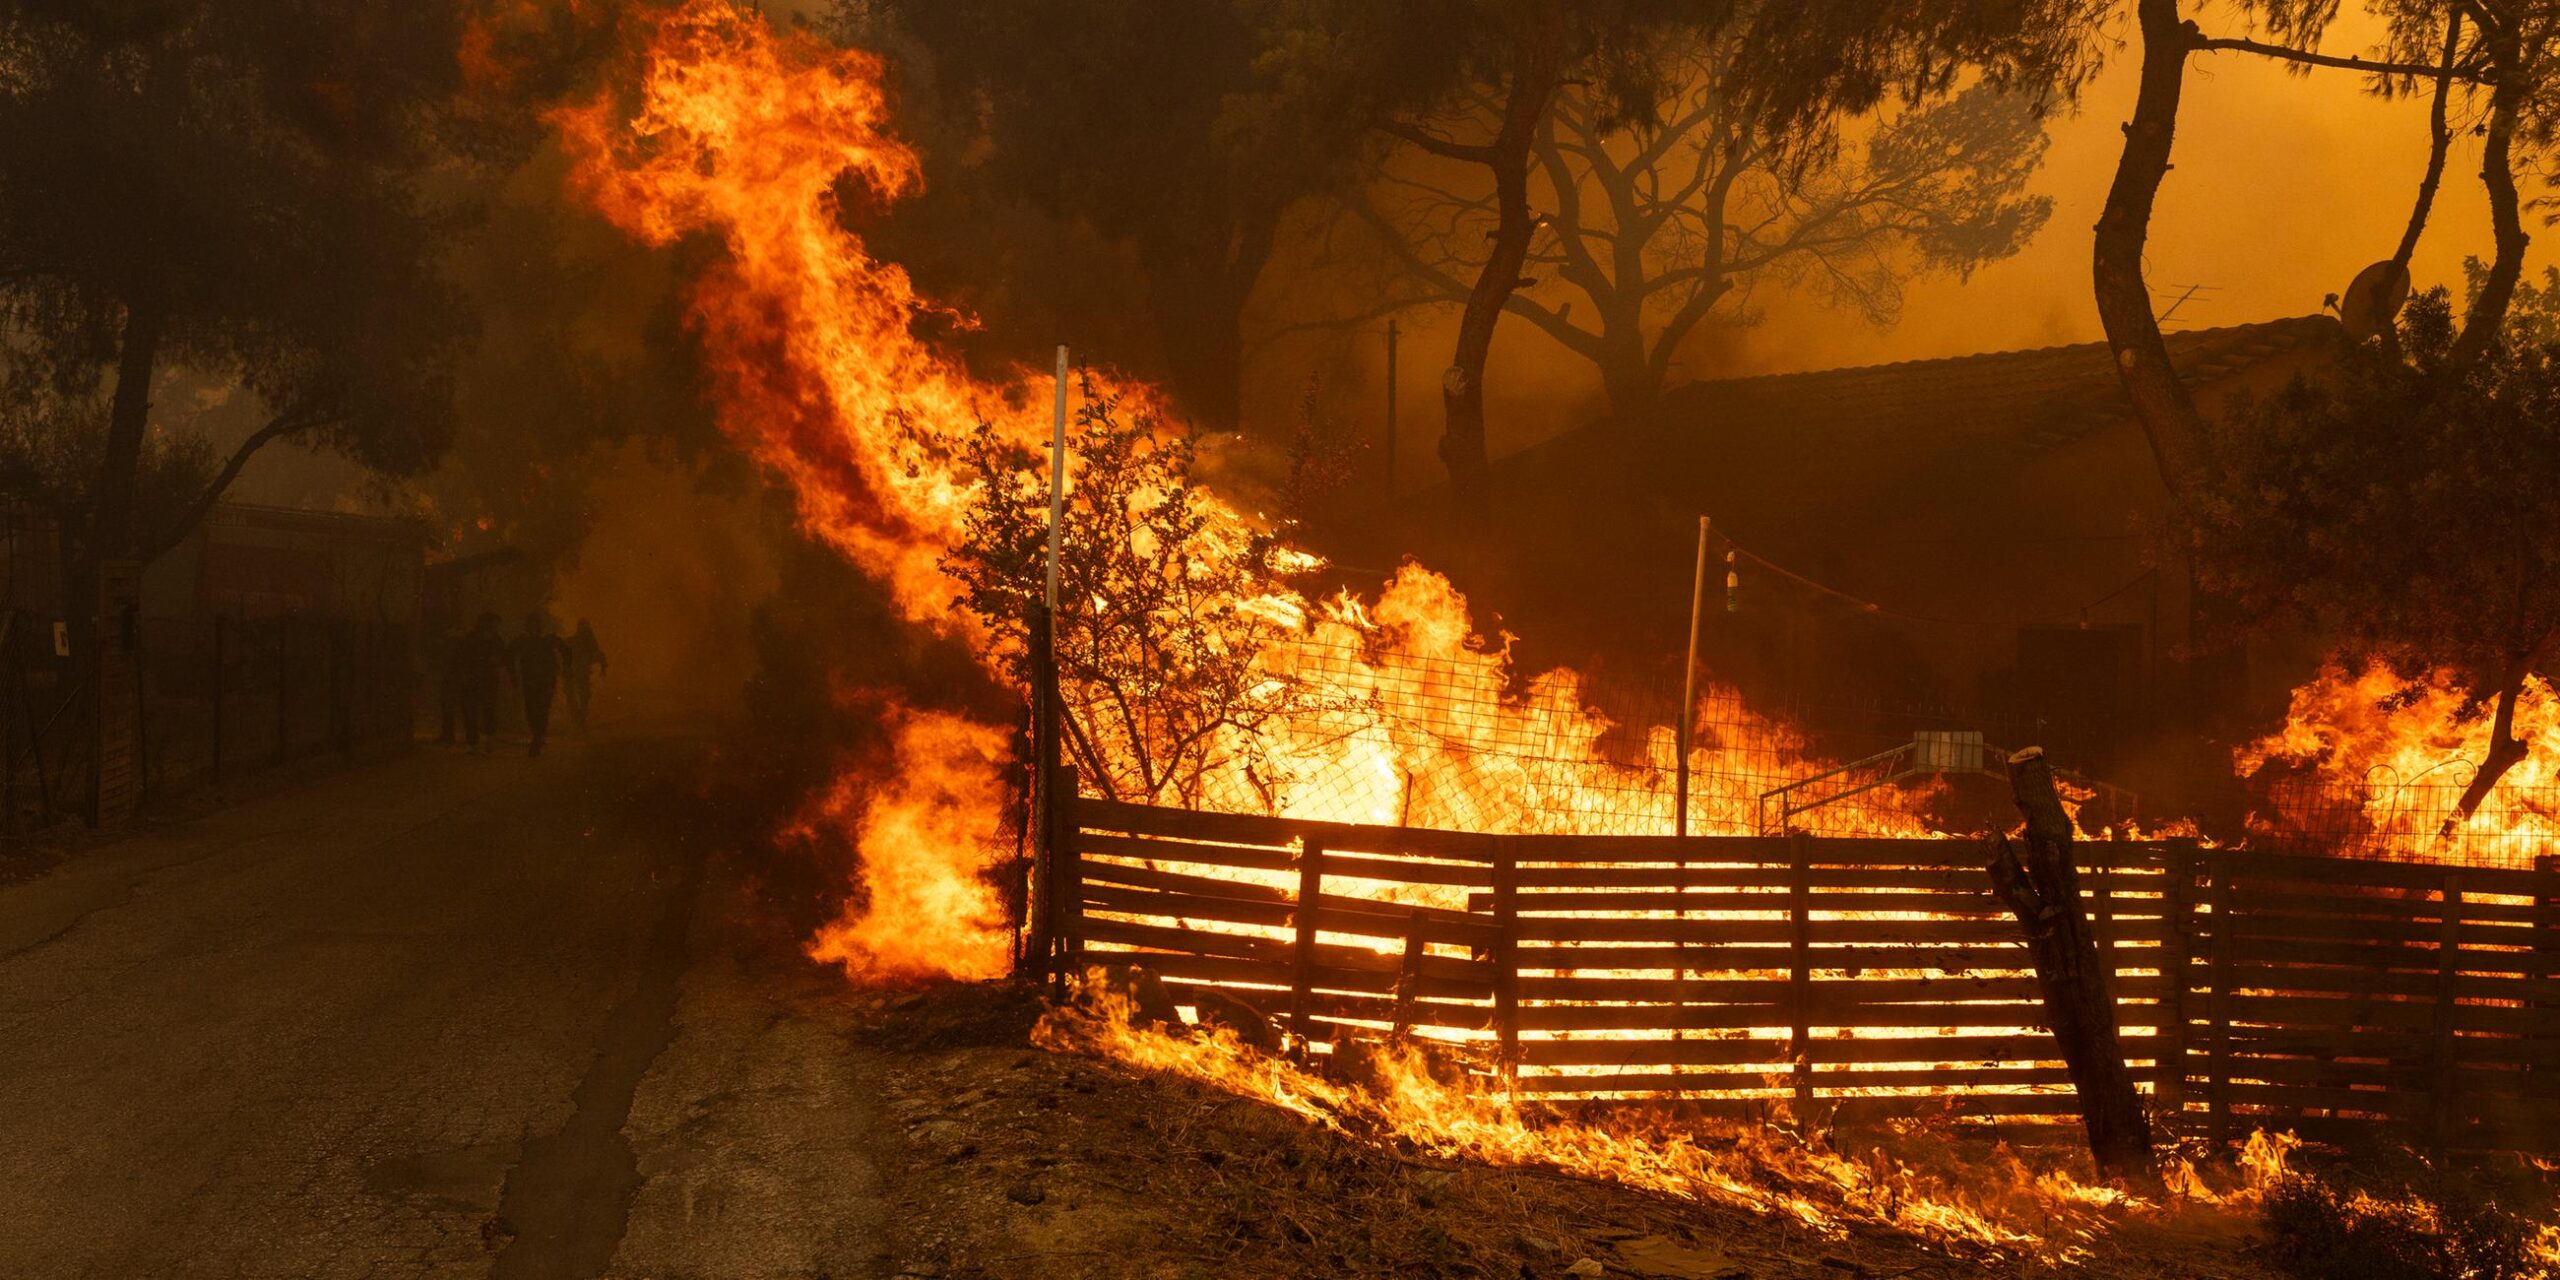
(2316, 1231)
(1166, 601)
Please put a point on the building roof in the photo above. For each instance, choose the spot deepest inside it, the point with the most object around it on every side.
(1855, 444)
(2020, 402)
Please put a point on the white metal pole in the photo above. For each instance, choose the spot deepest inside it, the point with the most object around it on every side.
(1057, 476)
(1689, 682)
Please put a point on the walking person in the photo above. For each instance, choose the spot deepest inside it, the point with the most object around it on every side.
(476, 660)
(539, 656)
(586, 661)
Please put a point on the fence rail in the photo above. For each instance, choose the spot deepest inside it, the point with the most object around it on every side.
(1852, 977)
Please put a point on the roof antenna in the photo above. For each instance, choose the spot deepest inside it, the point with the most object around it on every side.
(2192, 290)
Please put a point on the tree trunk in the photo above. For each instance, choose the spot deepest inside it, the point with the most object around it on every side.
(1203, 353)
(1198, 291)
(111, 494)
(1537, 61)
(2439, 141)
(2169, 418)
(2497, 172)
(2035, 878)
(2506, 751)
(1626, 371)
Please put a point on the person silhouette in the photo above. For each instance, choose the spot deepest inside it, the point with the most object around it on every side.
(586, 661)
(538, 655)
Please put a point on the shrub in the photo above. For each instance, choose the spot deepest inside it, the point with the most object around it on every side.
(2317, 1232)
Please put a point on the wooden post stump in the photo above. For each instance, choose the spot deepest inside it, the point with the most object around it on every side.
(2035, 878)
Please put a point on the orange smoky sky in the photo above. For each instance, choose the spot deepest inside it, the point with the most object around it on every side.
(2285, 186)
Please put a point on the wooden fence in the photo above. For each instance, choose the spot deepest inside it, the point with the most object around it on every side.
(1852, 977)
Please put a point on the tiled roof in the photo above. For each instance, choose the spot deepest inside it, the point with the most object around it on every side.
(2019, 401)
(1780, 449)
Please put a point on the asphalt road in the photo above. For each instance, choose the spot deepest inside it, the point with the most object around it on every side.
(435, 1016)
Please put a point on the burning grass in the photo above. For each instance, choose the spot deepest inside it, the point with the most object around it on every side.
(1068, 1166)
(1990, 1205)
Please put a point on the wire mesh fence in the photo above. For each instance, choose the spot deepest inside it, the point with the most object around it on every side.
(2420, 819)
(215, 698)
(1339, 728)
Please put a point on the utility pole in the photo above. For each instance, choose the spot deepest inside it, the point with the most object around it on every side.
(1391, 410)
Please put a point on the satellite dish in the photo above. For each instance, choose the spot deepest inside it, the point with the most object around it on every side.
(2373, 299)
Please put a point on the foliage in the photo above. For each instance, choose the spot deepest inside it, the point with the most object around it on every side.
(52, 444)
(1653, 228)
(238, 193)
(2315, 1231)
(2403, 503)
(1151, 122)
(1164, 607)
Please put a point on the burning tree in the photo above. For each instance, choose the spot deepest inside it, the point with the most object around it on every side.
(2403, 507)
(1165, 602)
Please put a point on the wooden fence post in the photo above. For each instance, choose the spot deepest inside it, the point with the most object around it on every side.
(1800, 969)
(2177, 947)
(2218, 1082)
(1409, 973)
(2448, 977)
(1506, 957)
(1303, 962)
(1041, 944)
(1066, 872)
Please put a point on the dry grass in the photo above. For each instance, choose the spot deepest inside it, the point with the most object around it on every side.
(1024, 1163)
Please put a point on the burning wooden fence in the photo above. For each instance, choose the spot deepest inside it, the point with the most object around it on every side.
(1853, 978)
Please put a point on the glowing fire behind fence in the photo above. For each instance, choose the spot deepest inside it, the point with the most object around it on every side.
(728, 130)
(2374, 763)
(741, 133)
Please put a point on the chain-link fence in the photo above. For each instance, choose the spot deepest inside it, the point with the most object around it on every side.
(2387, 816)
(214, 698)
(1343, 730)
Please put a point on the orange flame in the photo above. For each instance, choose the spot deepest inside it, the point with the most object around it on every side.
(2399, 752)
(927, 837)
(1995, 1207)
(742, 134)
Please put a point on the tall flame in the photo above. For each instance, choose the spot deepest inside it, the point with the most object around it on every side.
(745, 135)
(929, 910)
(731, 132)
